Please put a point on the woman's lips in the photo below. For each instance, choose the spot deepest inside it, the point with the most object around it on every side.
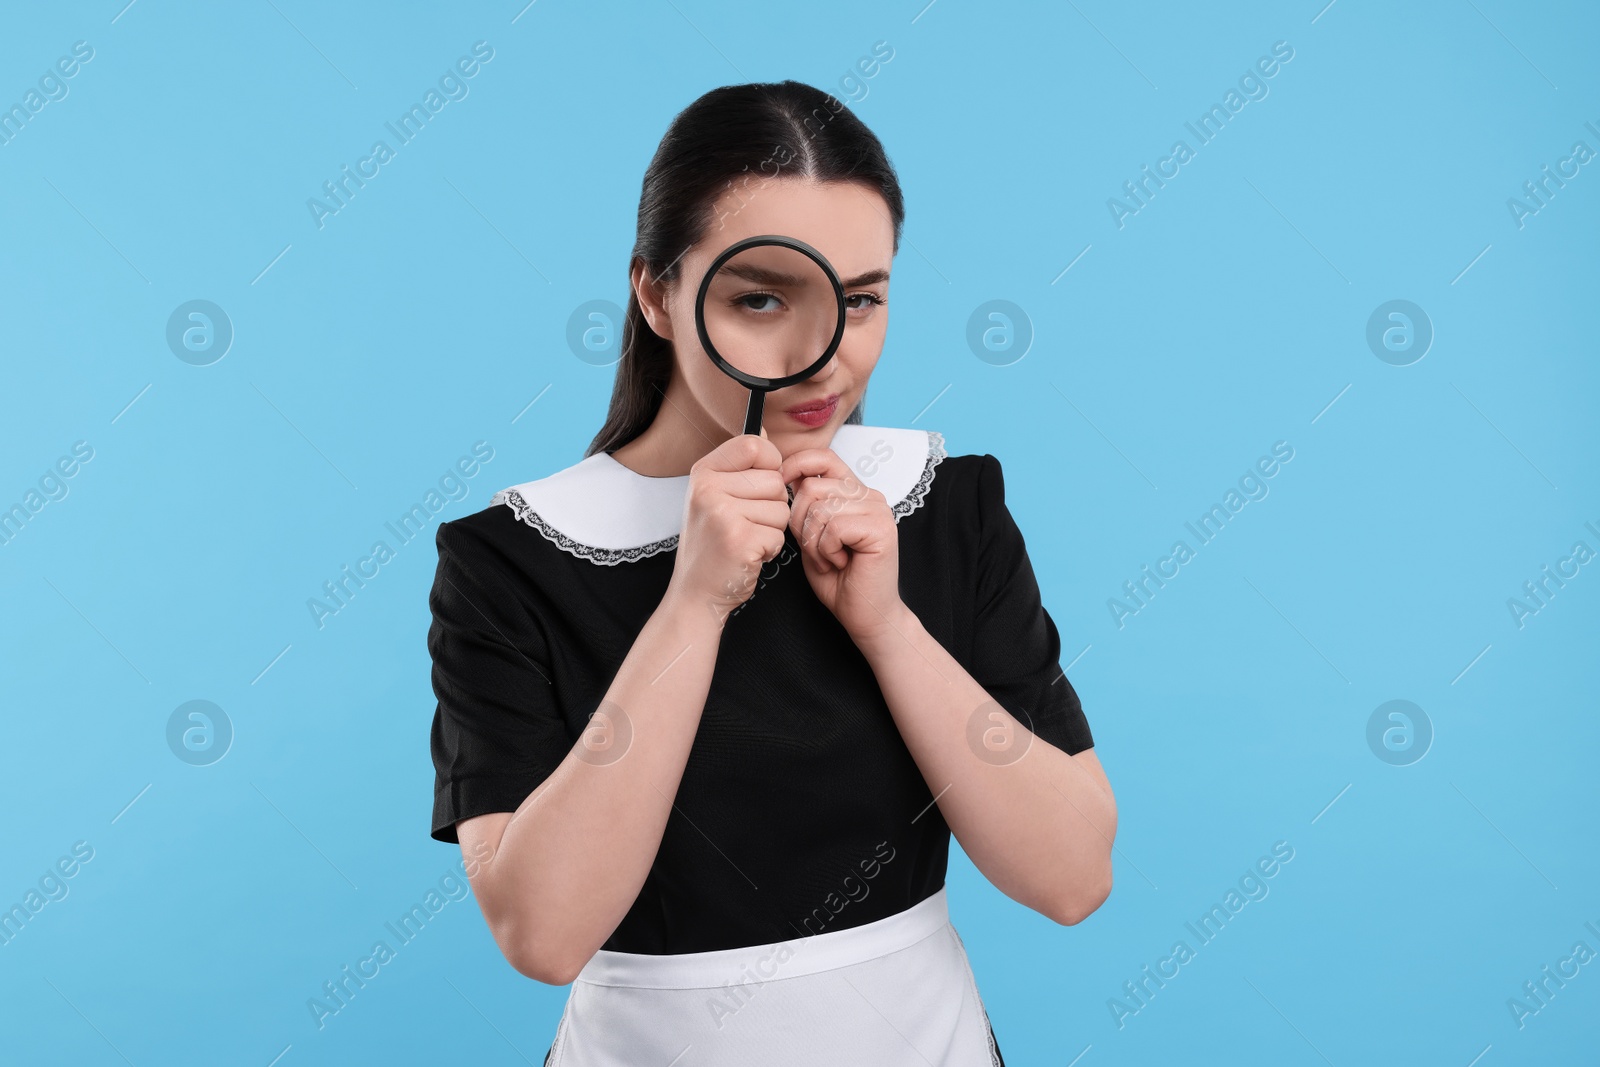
(816, 412)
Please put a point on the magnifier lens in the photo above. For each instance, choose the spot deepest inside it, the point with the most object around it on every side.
(770, 311)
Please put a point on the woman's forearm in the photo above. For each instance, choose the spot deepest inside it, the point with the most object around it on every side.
(572, 858)
(1039, 825)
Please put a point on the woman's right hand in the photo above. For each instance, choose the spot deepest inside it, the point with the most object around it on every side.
(734, 517)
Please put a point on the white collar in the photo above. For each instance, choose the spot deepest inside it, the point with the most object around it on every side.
(600, 510)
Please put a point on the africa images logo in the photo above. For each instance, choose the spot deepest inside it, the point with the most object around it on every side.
(1204, 129)
(452, 85)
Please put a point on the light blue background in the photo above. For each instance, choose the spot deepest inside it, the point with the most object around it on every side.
(1228, 314)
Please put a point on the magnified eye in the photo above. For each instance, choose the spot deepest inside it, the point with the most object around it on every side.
(764, 302)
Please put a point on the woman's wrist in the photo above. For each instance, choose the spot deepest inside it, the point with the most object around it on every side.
(693, 615)
(892, 630)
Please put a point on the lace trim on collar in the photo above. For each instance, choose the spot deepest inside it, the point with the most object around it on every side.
(611, 556)
(913, 499)
(605, 556)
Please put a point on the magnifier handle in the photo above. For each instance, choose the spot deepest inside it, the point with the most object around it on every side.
(752, 414)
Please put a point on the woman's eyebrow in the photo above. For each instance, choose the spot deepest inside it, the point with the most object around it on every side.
(871, 276)
(759, 275)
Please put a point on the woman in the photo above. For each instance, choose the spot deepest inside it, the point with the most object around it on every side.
(703, 745)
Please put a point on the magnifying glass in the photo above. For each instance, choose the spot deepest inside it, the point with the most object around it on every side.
(770, 313)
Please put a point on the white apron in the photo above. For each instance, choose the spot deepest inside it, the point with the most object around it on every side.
(898, 991)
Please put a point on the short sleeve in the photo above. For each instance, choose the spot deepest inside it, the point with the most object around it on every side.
(1016, 648)
(497, 730)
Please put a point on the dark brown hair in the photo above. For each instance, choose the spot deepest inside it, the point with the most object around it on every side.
(749, 132)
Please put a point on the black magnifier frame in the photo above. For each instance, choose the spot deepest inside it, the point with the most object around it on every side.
(760, 387)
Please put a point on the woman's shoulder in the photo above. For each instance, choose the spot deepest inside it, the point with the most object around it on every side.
(595, 509)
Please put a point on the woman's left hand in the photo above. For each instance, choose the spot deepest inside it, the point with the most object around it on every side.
(849, 544)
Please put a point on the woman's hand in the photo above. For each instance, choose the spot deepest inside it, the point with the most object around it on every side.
(849, 544)
(735, 512)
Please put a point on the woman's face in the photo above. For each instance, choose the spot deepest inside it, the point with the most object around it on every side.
(849, 224)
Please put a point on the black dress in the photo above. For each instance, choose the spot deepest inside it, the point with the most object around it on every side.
(798, 778)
